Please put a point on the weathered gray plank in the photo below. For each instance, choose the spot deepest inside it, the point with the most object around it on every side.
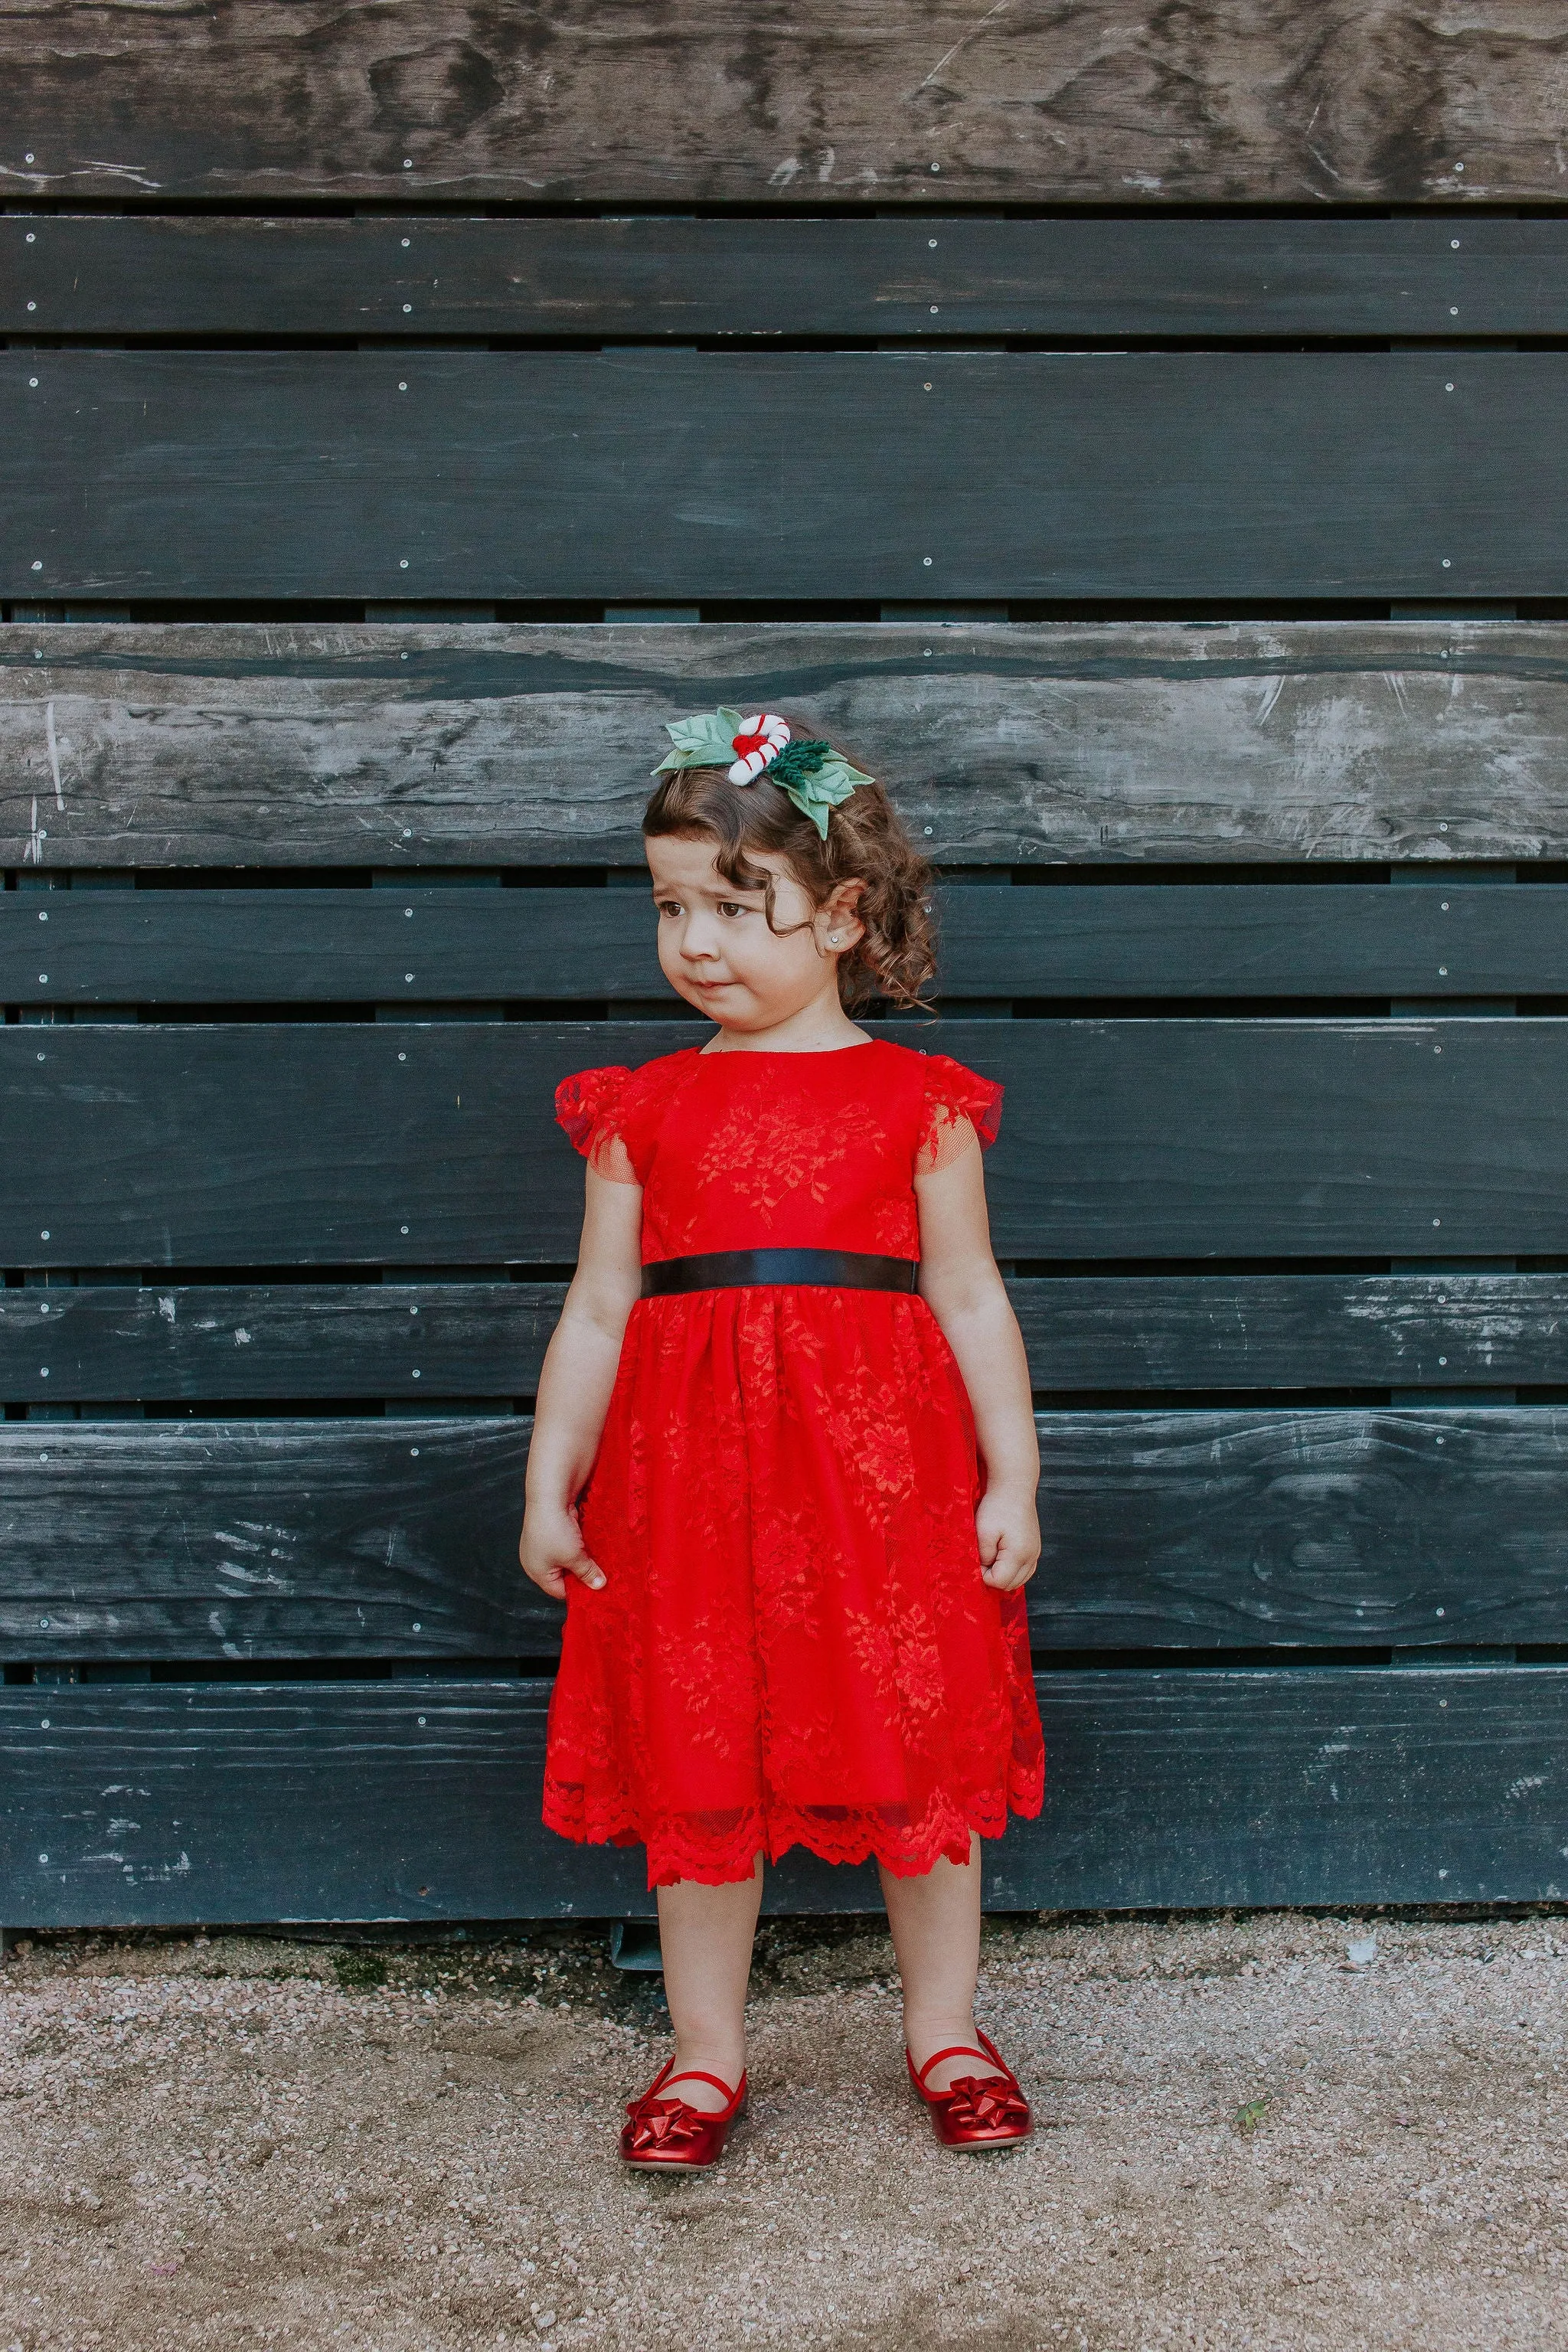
(1242, 1529)
(426, 945)
(248, 745)
(217, 1342)
(690, 474)
(429, 1143)
(929, 278)
(168, 1803)
(801, 104)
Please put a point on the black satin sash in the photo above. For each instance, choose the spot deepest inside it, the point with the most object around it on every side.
(750, 1269)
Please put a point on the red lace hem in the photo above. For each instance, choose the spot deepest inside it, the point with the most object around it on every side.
(721, 1850)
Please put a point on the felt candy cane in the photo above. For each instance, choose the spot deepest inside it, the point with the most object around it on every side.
(756, 745)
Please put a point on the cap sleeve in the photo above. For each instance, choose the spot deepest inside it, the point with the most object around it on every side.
(960, 1106)
(589, 1105)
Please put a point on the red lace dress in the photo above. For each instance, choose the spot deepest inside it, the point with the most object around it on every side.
(794, 1645)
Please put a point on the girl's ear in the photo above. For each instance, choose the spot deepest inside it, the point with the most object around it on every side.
(837, 924)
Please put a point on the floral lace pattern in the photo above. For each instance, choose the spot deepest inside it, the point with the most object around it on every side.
(793, 1645)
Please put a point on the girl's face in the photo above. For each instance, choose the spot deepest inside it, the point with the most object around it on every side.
(716, 949)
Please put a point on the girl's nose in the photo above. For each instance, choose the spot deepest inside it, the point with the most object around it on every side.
(698, 941)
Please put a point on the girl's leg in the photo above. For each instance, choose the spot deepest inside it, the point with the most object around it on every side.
(935, 1922)
(706, 1933)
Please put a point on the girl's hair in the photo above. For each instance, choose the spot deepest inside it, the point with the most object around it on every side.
(866, 842)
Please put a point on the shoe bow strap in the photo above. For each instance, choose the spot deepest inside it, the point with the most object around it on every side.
(664, 2123)
(984, 2102)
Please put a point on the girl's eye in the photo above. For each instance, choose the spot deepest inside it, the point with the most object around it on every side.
(667, 906)
(733, 907)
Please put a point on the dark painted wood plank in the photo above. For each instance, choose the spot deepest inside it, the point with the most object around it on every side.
(1244, 1530)
(435, 945)
(1152, 1138)
(1329, 1787)
(1336, 1528)
(413, 1143)
(1119, 1332)
(685, 475)
(1257, 941)
(802, 104)
(272, 1538)
(217, 1342)
(431, 1143)
(166, 1805)
(243, 745)
(288, 1802)
(257, 1340)
(929, 278)
(363, 1143)
(420, 945)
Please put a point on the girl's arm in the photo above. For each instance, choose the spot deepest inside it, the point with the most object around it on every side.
(960, 1285)
(575, 1385)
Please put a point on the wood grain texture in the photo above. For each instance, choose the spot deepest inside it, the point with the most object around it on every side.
(213, 1342)
(271, 1538)
(393, 746)
(690, 474)
(926, 278)
(1230, 1529)
(421, 945)
(1246, 1529)
(165, 1804)
(413, 1143)
(1234, 100)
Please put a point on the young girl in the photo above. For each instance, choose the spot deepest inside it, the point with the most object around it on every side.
(795, 1607)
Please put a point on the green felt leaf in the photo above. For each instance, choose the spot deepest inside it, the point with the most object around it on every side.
(706, 741)
(817, 779)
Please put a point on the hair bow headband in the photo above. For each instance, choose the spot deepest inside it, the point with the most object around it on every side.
(815, 777)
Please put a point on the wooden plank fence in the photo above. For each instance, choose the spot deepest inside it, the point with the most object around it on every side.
(352, 563)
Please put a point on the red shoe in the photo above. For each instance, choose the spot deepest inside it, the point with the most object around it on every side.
(977, 2112)
(666, 2134)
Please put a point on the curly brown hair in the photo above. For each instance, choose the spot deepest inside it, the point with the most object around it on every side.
(896, 955)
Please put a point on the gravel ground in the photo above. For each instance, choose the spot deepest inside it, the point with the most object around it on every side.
(1273, 2131)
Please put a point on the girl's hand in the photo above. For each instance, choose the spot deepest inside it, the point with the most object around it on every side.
(550, 1549)
(1008, 1528)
